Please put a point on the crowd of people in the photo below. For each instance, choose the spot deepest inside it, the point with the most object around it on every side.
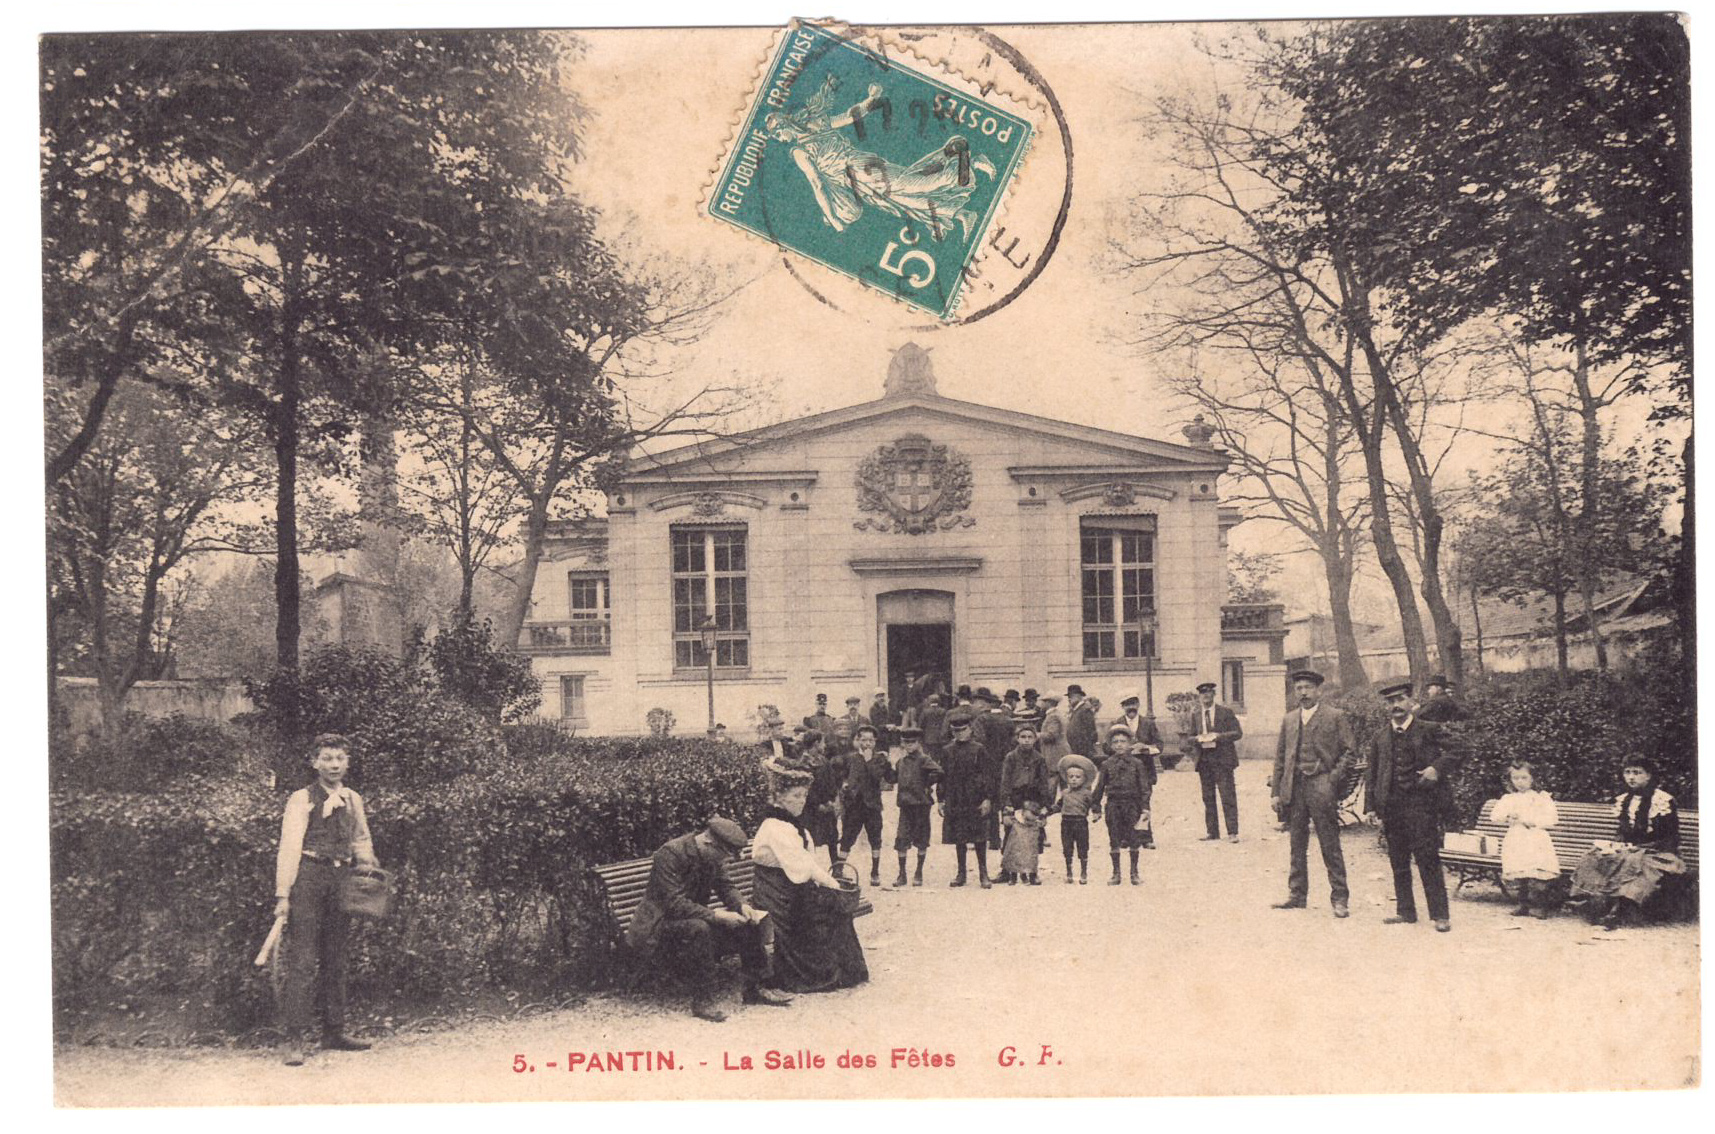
(995, 770)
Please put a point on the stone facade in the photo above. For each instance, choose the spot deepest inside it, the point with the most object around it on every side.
(913, 529)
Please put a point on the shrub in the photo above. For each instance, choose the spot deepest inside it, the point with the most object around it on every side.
(171, 895)
(497, 683)
(149, 753)
(403, 729)
(1576, 734)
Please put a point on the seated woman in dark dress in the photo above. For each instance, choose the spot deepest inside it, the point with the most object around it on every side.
(1619, 877)
(815, 944)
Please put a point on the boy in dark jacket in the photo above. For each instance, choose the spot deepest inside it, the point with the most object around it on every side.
(1125, 784)
(860, 797)
(917, 773)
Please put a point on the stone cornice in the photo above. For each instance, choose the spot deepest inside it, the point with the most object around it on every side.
(707, 503)
(917, 565)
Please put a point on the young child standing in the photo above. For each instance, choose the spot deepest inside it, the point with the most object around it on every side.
(323, 833)
(860, 796)
(1125, 785)
(917, 773)
(1077, 802)
(1528, 860)
(1023, 845)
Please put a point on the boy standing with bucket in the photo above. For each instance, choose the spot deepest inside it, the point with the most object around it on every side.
(324, 833)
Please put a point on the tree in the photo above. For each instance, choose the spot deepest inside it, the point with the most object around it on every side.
(147, 495)
(456, 495)
(1521, 544)
(1292, 449)
(371, 173)
(1534, 169)
(1250, 576)
(1228, 250)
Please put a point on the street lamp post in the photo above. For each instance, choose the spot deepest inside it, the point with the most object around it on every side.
(1146, 644)
(708, 631)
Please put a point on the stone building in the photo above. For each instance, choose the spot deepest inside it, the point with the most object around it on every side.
(913, 532)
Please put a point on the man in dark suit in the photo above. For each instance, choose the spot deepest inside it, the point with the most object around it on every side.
(883, 718)
(1312, 759)
(674, 926)
(1409, 786)
(932, 719)
(1214, 744)
(993, 730)
(1080, 722)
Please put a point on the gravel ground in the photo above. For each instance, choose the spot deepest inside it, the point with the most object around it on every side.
(1186, 985)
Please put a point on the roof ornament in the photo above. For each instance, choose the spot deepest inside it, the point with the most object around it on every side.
(910, 372)
(1199, 432)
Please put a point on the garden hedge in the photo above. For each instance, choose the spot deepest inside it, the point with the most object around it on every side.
(164, 898)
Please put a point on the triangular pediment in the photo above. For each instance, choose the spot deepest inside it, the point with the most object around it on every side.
(1069, 443)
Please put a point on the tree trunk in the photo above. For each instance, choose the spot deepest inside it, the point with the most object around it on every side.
(1561, 665)
(535, 533)
(287, 592)
(1685, 585)
(1477, 627)
(1591, 507)
(1447, 632)
(1338, 571)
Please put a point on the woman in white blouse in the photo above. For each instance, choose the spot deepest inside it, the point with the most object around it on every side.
(815, 944)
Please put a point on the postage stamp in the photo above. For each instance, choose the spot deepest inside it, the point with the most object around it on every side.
(867, 163)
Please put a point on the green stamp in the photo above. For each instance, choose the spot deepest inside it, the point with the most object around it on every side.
(870, 166)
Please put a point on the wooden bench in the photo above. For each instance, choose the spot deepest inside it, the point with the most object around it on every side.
(622, 885)
(1580, 825)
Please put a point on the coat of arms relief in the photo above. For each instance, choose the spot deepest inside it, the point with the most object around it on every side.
(916, 485)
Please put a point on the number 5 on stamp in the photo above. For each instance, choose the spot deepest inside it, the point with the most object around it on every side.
(872, 166)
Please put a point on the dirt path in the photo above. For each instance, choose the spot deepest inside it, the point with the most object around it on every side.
(1188, 984)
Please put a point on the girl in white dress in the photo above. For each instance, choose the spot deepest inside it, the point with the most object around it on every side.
(1528, 860)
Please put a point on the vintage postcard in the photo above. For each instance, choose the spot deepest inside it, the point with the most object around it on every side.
(843, 561)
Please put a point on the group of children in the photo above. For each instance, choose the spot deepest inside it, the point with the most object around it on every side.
(983, 803)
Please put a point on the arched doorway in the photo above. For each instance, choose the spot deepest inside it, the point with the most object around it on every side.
(916, 632)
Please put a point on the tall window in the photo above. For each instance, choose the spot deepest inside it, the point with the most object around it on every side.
(1117, 566)
(588, 610)
(709, 567)
(1233, 682)
(572, 698)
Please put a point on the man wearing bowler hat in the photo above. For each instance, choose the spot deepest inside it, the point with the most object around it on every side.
(1313, 757)
(676, 928)
(1215, 746)
(1438, 706)
(1409, 786)
(1080, 722)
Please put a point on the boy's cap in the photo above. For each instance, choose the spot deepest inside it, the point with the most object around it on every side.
(822, 698)
(863, 728)
(910, 732)
(1117, 728)
(727, 833)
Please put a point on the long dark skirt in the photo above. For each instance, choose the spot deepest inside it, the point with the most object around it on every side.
(816, 947)
(1634, 873)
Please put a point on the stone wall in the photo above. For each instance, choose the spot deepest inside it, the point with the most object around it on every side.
(211, 699)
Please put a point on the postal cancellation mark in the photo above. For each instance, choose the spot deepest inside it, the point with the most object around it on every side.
(870, 167)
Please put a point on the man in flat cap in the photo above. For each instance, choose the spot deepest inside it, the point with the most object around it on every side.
(842, 734)
(1314, 755)
(1214, 743)
(992, 727)
(1409, 786)
(675, 927)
